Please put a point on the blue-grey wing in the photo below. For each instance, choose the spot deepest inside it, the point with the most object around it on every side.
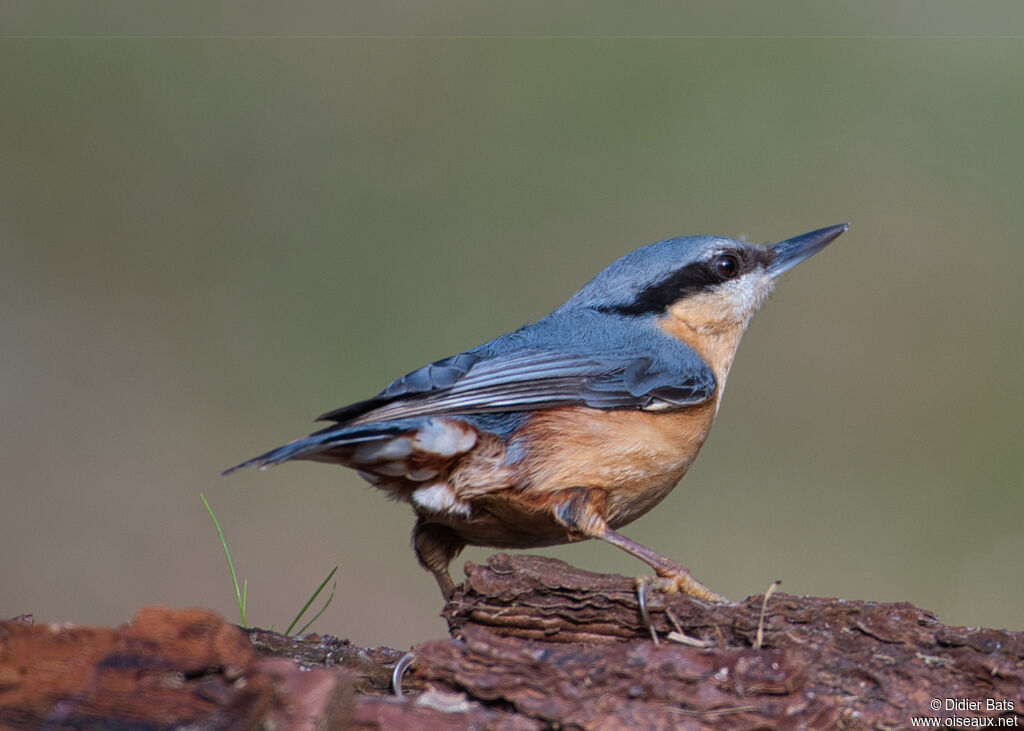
(590, 361)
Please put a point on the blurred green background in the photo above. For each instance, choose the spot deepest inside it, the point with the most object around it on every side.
(204, 243)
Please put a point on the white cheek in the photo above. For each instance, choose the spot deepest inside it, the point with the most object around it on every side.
(742, 297)
(763, 286)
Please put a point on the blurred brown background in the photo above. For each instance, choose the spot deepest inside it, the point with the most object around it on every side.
(207, 242)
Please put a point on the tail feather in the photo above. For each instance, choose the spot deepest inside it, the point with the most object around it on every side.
(326, 440)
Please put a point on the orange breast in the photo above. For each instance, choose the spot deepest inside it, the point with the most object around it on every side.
(637, 457)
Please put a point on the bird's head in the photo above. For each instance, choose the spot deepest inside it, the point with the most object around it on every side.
(707, 282)
(700, 289)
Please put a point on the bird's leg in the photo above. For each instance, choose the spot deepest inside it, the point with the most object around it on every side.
(436, 545)
(445, 583)
(672, 576)
(581, 515)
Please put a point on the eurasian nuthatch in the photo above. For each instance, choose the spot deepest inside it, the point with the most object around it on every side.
(573, 426)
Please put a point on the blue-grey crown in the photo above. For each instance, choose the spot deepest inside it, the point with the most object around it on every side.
(623, 283)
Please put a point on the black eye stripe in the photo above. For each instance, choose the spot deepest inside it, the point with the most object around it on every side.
(691, 279)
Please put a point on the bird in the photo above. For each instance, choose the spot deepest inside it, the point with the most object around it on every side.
(570, 427)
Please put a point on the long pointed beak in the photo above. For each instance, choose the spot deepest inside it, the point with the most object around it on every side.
(792, 251)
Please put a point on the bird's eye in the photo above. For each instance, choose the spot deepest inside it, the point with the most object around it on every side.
(727, 266)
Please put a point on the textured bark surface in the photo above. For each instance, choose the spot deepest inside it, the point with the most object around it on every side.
(568, 646)
(165, 669)
(535, 644)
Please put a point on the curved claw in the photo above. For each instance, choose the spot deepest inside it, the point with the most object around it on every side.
(682, 581)
(672, 576)
(400, 667)
(641, 600)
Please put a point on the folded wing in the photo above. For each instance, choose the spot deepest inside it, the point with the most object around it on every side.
(586, 361)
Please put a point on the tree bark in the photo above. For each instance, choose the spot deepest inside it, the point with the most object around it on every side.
(534, 644)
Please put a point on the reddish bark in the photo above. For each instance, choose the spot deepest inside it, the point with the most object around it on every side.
(535, 644)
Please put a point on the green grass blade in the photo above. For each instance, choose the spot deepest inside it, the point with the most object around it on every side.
(312, 599)
(240, 596)
(317, 615)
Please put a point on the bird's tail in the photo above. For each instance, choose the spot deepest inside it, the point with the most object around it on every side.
(319, 444)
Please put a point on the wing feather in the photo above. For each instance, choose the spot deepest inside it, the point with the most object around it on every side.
(596, 362)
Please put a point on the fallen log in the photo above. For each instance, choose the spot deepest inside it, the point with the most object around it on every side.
(534, 644)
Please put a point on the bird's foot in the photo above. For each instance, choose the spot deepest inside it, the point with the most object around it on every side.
(679, 580)
(671, 581)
